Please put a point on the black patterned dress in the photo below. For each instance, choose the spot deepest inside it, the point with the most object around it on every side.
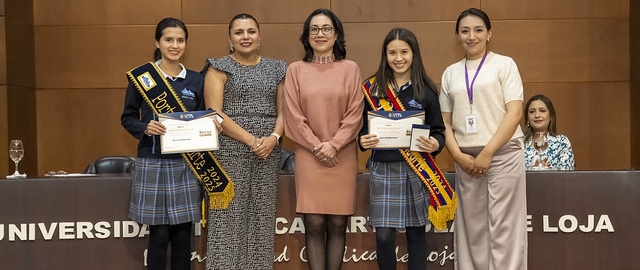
(242, 236)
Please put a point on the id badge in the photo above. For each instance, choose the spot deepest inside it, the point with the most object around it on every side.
(471, 123)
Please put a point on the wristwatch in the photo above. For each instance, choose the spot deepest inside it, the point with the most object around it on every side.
(277, 136)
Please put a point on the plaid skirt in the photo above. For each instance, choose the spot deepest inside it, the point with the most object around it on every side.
(164, 191)
(398, 198)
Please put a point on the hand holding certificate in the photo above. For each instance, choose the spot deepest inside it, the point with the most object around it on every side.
(189, 132)
(416, 132)
(394, 128)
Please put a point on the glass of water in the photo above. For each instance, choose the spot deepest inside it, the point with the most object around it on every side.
(16, 153)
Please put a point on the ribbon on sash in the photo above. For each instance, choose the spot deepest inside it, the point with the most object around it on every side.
(161, 97)
(442, 199)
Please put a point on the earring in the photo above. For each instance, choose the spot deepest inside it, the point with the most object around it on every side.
(488, 39)
(231, 49)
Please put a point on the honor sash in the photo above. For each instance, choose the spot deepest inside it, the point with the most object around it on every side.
(442, 199)
(161, 97)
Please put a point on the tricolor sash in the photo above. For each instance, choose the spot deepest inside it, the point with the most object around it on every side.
(442, 199)
(161, 97)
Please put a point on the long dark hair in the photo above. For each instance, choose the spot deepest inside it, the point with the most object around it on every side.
(339, 50)
(166, 23)
(474, 12)
(528, 132)
(242, 16)
(384, 75)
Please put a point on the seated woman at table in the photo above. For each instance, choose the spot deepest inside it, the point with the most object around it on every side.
(545, 149)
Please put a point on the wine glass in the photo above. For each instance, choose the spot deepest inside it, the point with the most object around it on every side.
(16, 152)
(540, 143)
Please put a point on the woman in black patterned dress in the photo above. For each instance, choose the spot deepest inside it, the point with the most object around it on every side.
(246, 88)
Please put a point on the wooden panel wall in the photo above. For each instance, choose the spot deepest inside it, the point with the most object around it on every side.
(574, 51)
(635, 83)
(4, 120)
(17, 84)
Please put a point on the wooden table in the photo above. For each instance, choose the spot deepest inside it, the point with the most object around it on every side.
(578, 220)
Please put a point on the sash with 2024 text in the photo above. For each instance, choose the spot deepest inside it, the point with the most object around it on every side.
(161, 97)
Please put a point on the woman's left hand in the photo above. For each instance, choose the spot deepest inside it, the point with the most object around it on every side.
(541, 162)
(428, 145)
(326, 154)
(264, 146)
(218, 126)
(481, 165)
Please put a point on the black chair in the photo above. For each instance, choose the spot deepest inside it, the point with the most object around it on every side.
(287, 162)
(112, 164)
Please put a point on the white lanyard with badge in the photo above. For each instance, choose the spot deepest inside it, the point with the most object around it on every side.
(471, 122)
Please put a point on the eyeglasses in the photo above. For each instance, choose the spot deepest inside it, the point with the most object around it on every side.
(325, 30)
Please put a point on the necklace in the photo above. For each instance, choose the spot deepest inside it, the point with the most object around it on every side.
(246, 61)
(172, 70)
(323, 59)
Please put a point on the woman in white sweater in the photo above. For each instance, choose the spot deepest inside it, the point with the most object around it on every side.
(481, 102)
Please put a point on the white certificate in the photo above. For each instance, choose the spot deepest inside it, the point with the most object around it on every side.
(394, 128)
(189, 132)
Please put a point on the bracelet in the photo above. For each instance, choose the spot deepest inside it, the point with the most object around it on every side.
(146, 133)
